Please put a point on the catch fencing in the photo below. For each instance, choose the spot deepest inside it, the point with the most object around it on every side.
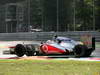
(42, 36)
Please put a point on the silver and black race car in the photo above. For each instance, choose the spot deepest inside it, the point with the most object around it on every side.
(58, 45)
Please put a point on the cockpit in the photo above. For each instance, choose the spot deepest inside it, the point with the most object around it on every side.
(65, 39)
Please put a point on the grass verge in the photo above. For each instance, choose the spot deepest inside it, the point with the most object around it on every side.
(49, 67)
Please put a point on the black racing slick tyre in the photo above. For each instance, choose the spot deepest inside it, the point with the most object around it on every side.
(80, 50)
(89, 52)
(30, 50)
(19, 50)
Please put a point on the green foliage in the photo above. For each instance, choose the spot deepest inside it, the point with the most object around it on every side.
(84, 14)
(97, 14)
(35, 13)
(44, 14)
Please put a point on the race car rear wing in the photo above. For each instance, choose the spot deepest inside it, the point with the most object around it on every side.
(88, 40)
(93, 43)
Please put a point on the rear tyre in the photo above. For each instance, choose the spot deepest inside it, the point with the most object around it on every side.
(19, 50)
(88, 53)
(80, 50)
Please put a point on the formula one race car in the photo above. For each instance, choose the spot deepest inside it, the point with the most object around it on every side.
(58, 45)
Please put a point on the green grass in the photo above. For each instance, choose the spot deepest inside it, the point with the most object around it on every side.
(49, 67)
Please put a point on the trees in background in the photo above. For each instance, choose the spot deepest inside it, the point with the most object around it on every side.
(78, 15)
(65, 15)
(59, 15)
(84, 15)
(97, 14)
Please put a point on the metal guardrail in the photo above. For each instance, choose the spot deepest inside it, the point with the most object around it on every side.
(45, 35)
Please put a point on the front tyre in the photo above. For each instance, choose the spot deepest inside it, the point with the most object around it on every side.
(80, 50)
(19, 50)
(30, 50)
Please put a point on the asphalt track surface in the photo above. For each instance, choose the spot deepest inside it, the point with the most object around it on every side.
(5, 44)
